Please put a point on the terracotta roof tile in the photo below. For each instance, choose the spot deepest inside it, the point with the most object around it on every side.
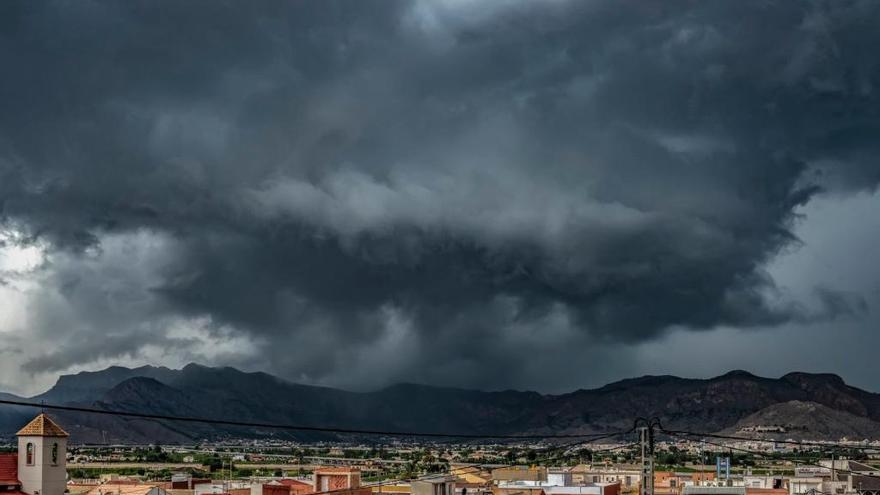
(9, 470)
(42, 426)
(117, 489)
(292, 482)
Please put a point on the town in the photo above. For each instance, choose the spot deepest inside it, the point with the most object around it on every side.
(41, 462)
(439, 247)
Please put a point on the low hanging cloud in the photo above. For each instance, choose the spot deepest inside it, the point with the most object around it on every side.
(363, 192)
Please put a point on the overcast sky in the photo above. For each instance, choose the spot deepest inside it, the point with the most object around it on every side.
(498, 194)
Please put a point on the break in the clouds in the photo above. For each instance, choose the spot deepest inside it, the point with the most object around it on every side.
(470, 193)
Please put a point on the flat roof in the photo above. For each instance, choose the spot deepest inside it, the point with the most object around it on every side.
(714, 490)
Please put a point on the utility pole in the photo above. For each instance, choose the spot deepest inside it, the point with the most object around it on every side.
(702, 462)
(646, 439)
(833, 472)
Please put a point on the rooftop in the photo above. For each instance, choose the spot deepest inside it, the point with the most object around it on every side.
(436, 480)
(42, 426)
(293, 482)
(714, 490)
(9, 470)
(575, 490)
(120, 489)
(865, 483)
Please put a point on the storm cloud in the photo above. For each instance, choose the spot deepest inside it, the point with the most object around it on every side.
(359, 193)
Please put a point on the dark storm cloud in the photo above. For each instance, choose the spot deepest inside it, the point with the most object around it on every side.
(443, 176)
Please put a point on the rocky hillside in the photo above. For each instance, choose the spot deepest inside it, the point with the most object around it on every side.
(812, 405)
(805, 420)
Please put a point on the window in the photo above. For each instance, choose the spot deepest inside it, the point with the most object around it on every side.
(55, 453)
(29, 459)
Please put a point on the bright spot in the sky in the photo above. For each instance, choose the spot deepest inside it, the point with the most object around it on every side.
(16, 257)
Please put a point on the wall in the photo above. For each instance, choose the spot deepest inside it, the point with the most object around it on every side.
(559, 479)
(520, 473)
(329, 480)
(349, 491)
(52, 476)
(612, 489)
(436, 488)
(275, 490)
(802, 485)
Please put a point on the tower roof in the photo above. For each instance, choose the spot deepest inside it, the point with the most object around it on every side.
(42, 426)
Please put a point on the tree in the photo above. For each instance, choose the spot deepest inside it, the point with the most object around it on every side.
(214, 463)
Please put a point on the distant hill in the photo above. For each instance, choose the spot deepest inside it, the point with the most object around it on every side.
(806, 420)
(87, 386)
(816, 406)
(12, 416)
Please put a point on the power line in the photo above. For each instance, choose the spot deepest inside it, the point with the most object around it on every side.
(323, 429)
(763, 454)
(619, 447)
(480, 467)
(596, 439)
(582, 438)
(477, 467)
(593, 439)
(830, 445)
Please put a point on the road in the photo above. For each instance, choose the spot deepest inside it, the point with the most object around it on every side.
(135, 465)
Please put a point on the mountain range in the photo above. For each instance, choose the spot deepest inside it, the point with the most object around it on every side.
(808, 406)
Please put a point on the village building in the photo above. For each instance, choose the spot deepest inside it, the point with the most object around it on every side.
(39, 467)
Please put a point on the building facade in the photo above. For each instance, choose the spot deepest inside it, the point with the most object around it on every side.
(42, 457)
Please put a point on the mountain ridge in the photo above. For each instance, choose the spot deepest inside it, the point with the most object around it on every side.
(706, 405)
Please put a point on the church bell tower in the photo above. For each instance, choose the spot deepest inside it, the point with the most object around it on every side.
(42, 457)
